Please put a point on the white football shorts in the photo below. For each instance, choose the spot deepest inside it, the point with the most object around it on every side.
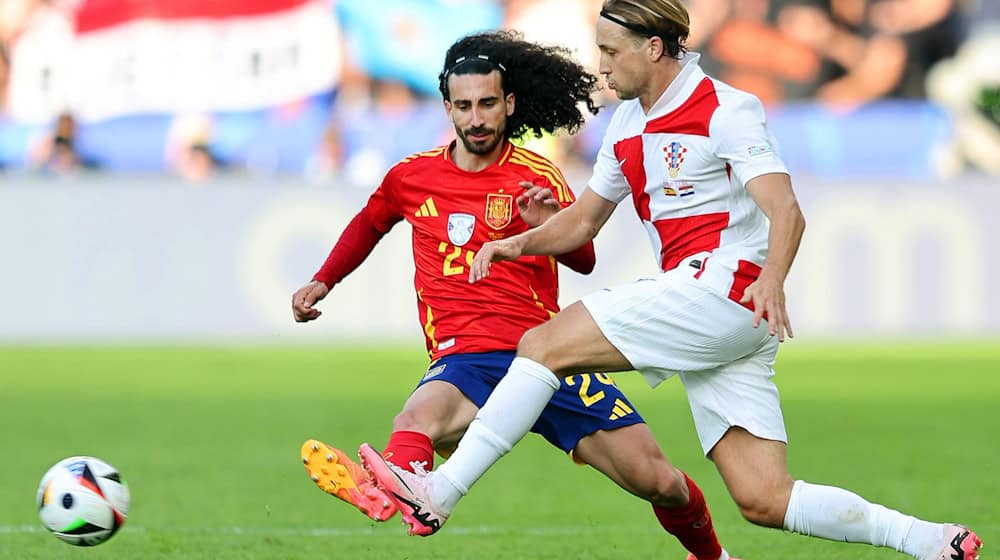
(674, 324)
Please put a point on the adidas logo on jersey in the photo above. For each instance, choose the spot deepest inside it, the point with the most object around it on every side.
(427, 209)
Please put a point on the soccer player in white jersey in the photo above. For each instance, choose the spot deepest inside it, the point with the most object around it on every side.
(696, 160)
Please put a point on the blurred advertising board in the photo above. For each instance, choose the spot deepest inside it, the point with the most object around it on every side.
(113, 260)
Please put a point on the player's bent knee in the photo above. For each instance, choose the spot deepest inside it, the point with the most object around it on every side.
(534, 346)
(553, 348)
(660, 483)
(672, 491)
(410, 420)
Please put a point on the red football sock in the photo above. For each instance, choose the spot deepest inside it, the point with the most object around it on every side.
(692, 524)
(405, 446)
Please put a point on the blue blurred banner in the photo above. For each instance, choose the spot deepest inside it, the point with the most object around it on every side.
(406, 39)
(901, 139)
(891, 139)
(270, 139)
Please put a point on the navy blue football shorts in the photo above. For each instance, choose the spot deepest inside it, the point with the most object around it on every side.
(583, 404)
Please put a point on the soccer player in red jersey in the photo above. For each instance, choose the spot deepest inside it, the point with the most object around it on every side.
(479, 188)
(696, 160)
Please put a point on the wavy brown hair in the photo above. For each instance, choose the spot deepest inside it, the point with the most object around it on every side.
(549, 86)
(666, 19)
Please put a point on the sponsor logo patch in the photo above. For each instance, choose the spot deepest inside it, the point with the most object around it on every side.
(427, 209)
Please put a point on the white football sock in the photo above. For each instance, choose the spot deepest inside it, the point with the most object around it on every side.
(838, 515)
(509, 413)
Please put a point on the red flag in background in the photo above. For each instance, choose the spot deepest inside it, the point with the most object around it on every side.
(97, 14)
(121, 57)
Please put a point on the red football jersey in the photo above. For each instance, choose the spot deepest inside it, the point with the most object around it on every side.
(453, 212)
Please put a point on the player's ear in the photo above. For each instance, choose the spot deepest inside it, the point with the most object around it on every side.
(510, 104)
(656, 48)
(447, 108)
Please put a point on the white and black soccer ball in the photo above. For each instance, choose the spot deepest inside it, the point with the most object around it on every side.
(83, 500)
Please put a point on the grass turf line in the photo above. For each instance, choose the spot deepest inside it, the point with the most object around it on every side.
(208, 441)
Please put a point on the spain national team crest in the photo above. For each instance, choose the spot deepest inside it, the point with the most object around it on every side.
(499, 210)
(675, 157)
(460, 228)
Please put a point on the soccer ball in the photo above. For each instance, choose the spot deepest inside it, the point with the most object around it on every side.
(83, 500)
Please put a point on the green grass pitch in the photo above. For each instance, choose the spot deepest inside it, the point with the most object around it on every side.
(208, 440)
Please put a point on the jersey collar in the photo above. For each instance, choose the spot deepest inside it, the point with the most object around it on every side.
(680, 88)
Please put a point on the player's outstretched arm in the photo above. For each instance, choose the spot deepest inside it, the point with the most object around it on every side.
(773, 193)
(494, 251)
(355, 244)
(536, 205)
(563, 233)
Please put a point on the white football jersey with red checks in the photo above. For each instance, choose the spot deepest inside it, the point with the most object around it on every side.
(685, 165)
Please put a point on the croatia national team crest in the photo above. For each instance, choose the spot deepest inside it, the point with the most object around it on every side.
(675, 157)
(499, 209)
(460, 227)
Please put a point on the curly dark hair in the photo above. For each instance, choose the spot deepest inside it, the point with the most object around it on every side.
(547, 83)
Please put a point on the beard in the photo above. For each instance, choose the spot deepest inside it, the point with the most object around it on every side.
(480, 148)
(625, 95)
(621, 91)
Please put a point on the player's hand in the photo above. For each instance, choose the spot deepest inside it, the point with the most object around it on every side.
(492, 251)
(768, 298)
(536, 204)
(304, 300)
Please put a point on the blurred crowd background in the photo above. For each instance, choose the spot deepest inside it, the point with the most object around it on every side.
(337, 91)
